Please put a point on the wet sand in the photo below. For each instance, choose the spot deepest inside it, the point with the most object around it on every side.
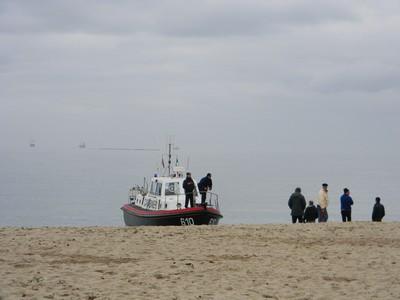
(360, 260)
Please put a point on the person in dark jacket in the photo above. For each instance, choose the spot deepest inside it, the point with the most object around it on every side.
(205, 185)
(311, 213)
(297, 204)
(379, 211)
(189, 187)
(345, 205)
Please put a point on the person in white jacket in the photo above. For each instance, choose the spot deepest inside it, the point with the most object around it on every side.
(323, 203)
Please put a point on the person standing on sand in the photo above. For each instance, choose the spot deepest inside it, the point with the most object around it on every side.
(297, 204)
(379, 211)
(345, 205)
(188, 186)
(311, 213)
(323, 204)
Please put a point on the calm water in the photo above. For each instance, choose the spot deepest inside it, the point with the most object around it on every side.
(80, 187)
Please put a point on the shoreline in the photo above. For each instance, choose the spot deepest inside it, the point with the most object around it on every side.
(288, 222)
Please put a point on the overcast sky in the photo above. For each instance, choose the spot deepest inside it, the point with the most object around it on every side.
(283, 75)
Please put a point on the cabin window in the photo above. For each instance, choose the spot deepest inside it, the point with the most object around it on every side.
(152, 188)
(158, 189)
(171, 188)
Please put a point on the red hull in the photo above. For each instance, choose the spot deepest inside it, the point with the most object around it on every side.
(136, 216)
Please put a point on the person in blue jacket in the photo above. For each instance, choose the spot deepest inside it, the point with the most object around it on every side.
(345, 205)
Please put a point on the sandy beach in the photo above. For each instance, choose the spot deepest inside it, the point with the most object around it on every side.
(360, 260)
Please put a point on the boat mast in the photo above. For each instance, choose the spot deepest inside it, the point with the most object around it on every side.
(169, 159)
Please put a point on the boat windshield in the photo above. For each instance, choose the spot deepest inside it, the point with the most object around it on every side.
(158, 189)
(155, 188)
(171, 188)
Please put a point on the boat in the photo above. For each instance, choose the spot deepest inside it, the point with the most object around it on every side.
(82, 145)
(161, 203)
(32, 144)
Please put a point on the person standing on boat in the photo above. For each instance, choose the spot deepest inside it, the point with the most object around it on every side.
(379, 211)
(323, 204)
(205, 185)
(297, 204)
(189, 187)
(345, 205)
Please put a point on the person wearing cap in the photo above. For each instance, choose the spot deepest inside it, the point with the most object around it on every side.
(345, 205)
(379, 211)
(205, 185)
(297, 204)
(311, 213)
(189, 187)
(322, 205)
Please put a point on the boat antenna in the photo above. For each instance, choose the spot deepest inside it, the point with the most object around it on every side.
(169, 158)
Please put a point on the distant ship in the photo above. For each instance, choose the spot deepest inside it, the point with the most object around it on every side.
(32, 144)
(82, 145)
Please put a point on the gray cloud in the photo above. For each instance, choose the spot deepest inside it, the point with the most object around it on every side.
(180, 18)
(364, 78)
(107, 69)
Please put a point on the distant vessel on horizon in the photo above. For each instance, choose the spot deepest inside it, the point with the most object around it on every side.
(32, 144)
(82, 145)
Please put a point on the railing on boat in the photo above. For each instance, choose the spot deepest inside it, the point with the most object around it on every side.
(136, 190)
(211, 198)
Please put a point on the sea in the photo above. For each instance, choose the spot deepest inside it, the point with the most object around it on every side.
(87, 187)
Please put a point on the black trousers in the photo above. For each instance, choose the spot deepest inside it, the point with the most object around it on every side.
(203, 196)
(295, 218)
(309, 221)
(346, 215)
(189, 198)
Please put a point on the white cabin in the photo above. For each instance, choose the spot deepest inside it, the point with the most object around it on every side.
(165, 193)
